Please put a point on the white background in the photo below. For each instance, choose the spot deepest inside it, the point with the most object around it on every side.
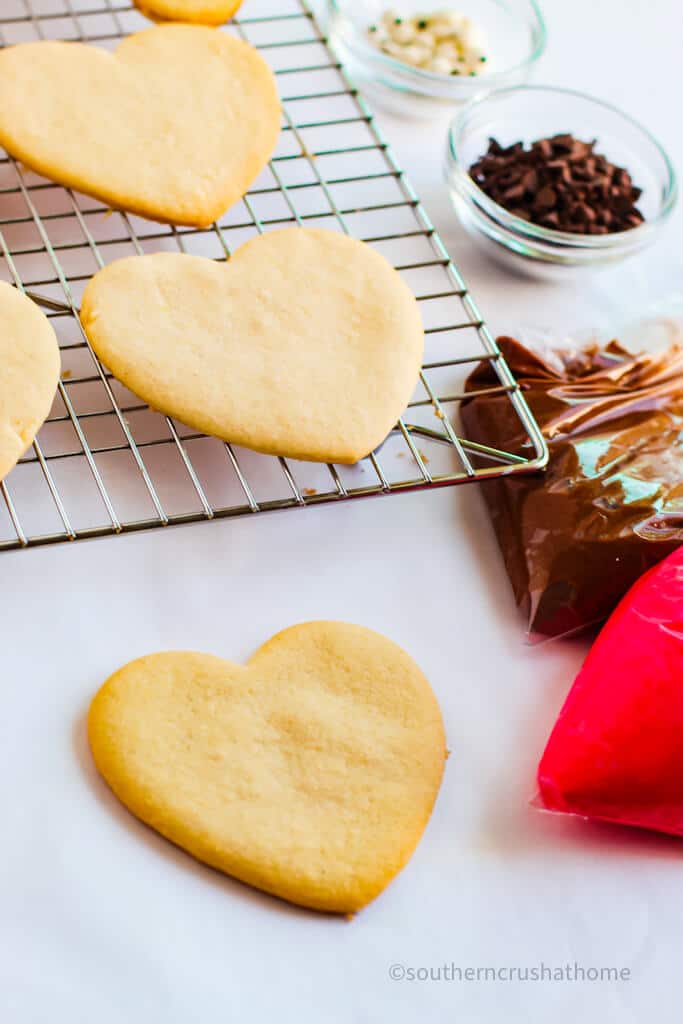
(100, 920)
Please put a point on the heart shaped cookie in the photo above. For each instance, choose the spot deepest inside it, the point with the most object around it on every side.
(616, 752)
(201, 12)
(175, 125)
(29, 373)
(306, 343)
(310, 772)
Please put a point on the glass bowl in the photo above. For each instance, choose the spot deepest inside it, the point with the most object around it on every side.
(528, 113)
(516, 36)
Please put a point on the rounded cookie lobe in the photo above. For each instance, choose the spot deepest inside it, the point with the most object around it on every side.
(29, 374)
(309, 773)
(307, 343)
(199, 12)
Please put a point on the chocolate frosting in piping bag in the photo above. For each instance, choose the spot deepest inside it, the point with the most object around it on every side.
(610, 505)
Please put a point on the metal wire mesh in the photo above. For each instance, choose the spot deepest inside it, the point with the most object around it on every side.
(105, 463)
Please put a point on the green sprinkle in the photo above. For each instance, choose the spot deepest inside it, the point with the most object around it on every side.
(423, 24)
(473, 74)
(483, 60)
(455, 71)
(373, 28)
(398, 21)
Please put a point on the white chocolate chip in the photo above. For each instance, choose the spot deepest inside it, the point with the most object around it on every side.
(425, 38)
(445, 42)
(456, 21)
(441, 29)
(447, 49)
(442, 65)
(403, 33)
(416, 54)
(473, 38)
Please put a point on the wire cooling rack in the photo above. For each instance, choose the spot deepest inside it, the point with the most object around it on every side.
(104, 463)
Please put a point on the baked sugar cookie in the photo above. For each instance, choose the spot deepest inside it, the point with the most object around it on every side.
(310, 772)
(174, 125)
(306, 343)
(29, 374)
(201, 12)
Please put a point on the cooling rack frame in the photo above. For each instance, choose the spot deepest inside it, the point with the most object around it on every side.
(53, 235)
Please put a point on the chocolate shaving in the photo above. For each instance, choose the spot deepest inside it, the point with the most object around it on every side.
(560, 182)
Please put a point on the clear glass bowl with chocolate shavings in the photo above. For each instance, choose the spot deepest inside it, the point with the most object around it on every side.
(550, 180)
(399, 73)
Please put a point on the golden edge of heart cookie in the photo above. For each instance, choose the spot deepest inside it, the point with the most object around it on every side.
(108, 762)
(200, 217)
(17, 438)
(172, 10)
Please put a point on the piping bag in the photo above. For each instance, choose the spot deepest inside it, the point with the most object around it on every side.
(616, 751)
(610, 505)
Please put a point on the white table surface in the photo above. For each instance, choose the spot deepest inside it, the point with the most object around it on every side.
(100, 920)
